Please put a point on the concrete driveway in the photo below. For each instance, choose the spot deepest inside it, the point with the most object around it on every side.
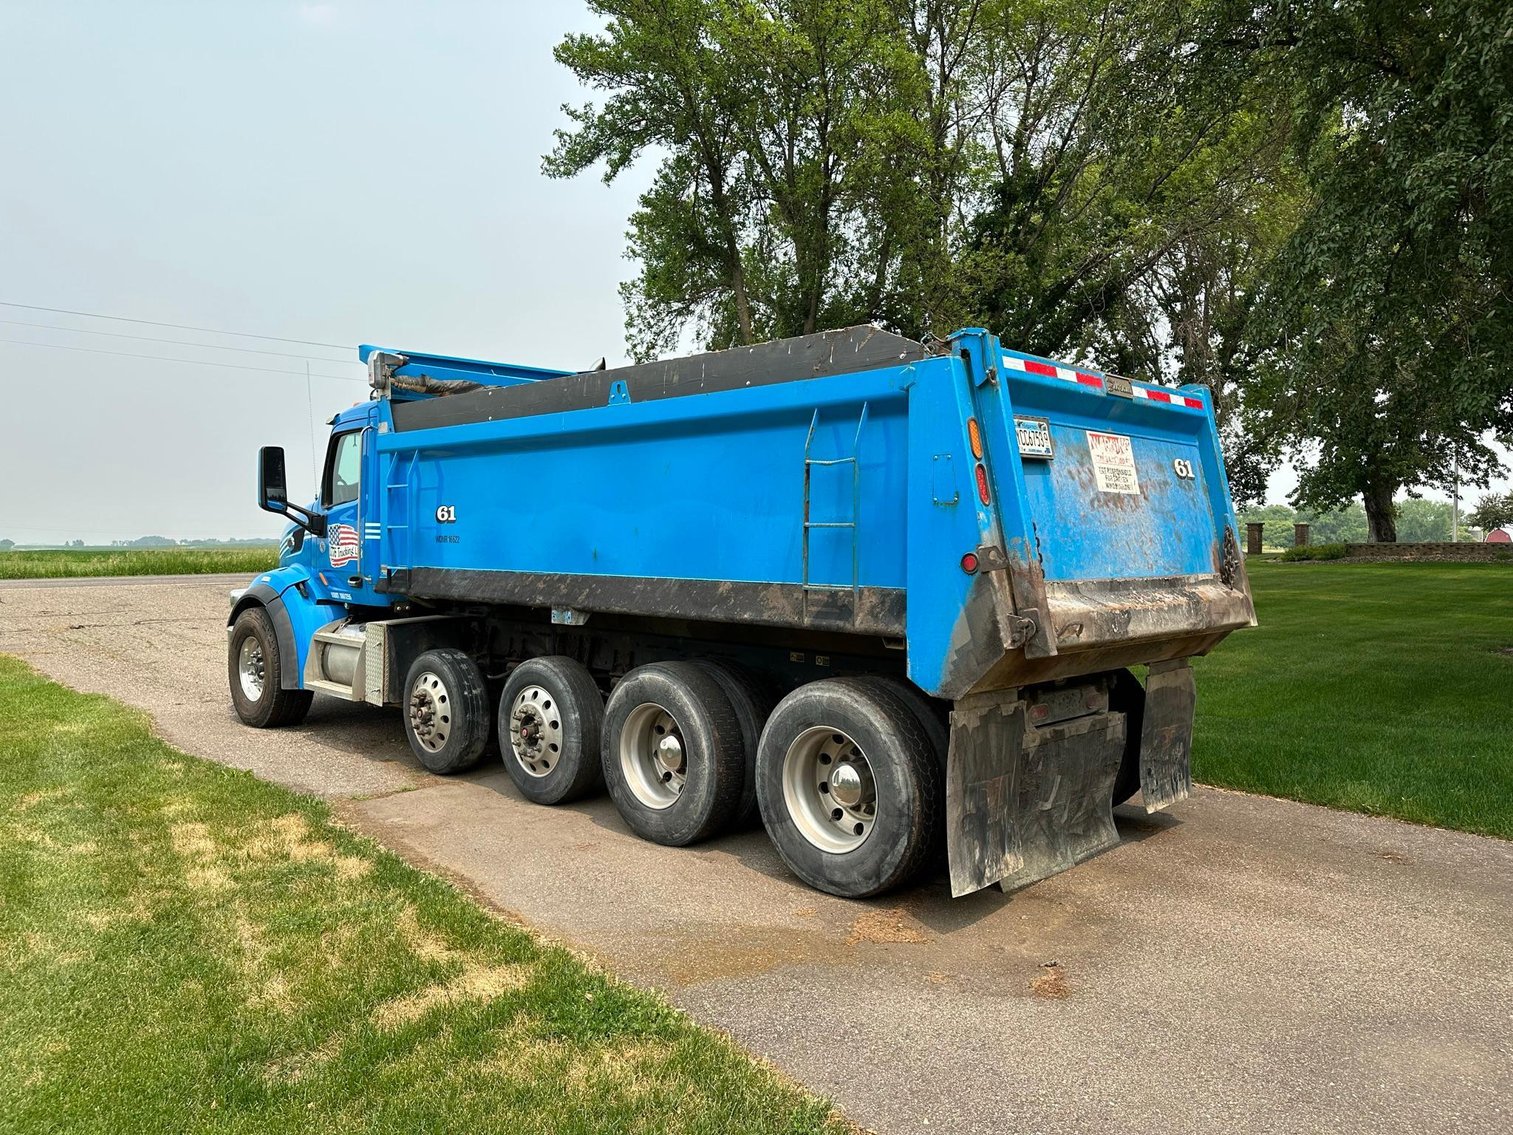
(1243, 964)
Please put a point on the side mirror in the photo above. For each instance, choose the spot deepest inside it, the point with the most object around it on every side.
(273, 492)
(272, 486)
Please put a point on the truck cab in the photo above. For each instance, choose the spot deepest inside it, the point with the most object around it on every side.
(347, 555)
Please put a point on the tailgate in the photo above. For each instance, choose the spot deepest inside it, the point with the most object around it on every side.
(1121, 493)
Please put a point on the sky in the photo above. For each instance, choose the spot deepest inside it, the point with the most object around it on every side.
(337, 173)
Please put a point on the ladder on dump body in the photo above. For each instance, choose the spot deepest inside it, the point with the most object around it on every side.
(810, 461)
(401, 501)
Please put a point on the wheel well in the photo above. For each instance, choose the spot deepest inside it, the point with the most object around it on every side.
(283, 630)
(243, 604)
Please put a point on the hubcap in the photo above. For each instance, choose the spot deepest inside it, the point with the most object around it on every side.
(829, 790)
(249, 668)
(430, 712)
(651, 756)
(536, 730)
(670, 753)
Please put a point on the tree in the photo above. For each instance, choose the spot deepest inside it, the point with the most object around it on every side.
(1026, 165)
(1119, 178)
(1388, 314)
(1277, 521)
(1420, 520)
(1344, 526)
(777, 208)
(1494, 510)
(1340, 526)
(7, 545)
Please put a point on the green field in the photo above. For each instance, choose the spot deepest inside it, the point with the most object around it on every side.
(136, 561)
(185, 948)
(1382, 688)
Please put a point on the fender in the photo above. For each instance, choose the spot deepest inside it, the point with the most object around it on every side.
(289, 626)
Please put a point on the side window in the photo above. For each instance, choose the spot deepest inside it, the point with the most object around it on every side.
(343, 469)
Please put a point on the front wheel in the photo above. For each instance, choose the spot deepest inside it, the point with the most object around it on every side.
(446, 711)
(850, 786)
(255, 669)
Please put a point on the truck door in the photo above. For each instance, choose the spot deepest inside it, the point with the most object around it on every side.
(350, 556)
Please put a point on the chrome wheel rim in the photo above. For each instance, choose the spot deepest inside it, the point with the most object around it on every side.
(829, 789)
(430, 711)
(536, 730)
(652, 756)
(250, 668)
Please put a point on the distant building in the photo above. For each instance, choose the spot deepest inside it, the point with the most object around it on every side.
(1499, 536)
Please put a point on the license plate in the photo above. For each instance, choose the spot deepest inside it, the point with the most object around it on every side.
(1034, 438)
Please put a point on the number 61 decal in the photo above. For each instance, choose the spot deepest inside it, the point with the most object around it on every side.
(1183, 468)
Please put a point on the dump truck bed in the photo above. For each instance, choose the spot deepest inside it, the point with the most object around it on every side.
(835, 482)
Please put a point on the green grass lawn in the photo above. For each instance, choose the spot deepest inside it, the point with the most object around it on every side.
(136, 561)
(186, 948)
(1382, 688)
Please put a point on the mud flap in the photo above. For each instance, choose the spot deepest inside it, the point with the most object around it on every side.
(1024, 803)
(1166, 739)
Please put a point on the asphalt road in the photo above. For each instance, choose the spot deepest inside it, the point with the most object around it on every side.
(1240, 965)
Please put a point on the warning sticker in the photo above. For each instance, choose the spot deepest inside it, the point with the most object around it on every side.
(1113, 462)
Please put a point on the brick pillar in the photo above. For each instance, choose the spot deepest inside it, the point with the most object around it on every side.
(1253, 539)
(1300, 535)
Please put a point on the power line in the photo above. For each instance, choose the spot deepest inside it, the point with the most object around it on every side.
(186, 362)
(176, 326)
(174, 342)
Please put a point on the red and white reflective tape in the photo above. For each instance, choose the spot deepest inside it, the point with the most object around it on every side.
(1051, 370)
(1150, 393)
(1071, 374)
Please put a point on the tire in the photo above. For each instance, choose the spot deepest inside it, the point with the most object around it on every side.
(260, 700)
(925, 712)
(813, 732)
(551, 719)
(752, 704)
(680, 702)
(1127, 696)
(446, 711)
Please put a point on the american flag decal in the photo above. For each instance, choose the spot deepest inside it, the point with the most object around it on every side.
(344, 546)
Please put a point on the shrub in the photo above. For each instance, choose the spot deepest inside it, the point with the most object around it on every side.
(1315, 552)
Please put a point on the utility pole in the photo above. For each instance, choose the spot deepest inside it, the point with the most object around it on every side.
(1454, 496)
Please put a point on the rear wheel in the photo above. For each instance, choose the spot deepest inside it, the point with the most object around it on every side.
(850, 786)
(1127, 696)
(925, 712)
(446, 711)
(551, 715)
(672, 753)
(255, 669)
(752, 704)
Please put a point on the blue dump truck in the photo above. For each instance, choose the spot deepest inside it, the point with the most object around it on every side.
(881, 596)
